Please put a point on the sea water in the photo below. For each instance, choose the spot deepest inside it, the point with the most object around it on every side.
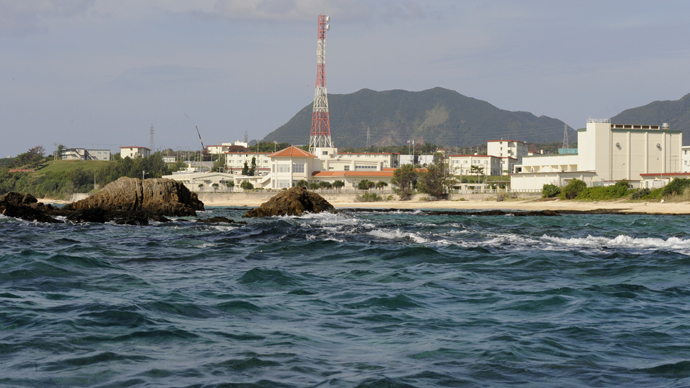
(355, 299)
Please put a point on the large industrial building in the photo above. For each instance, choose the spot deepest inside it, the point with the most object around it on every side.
(606, 154)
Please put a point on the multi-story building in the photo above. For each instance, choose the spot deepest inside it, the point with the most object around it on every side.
(234, 161)
(225, 147)
(134, 152)
(685, 159)
(507, 149)
(84, 154)
(462, 164)
(606, 153)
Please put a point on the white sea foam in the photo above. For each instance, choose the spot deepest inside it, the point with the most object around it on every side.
(622, 241)
(397, 234)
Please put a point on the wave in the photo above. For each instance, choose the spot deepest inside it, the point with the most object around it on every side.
(621, 241)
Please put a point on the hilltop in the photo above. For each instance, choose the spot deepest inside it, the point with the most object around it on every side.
(437, 115)
(674, 112)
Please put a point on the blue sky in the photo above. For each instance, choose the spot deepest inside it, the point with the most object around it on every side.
(98, 73)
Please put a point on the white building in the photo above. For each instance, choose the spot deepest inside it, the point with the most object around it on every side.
(224, 147)
(134, 152)
(685, 159)
(606, 153)
(234, 162)
(462, 164)
(507, 149)
(84, 154)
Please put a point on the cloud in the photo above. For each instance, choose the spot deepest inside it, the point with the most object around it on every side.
(24, 17)
(305, 10)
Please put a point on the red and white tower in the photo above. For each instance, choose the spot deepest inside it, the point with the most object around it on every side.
(320, 136)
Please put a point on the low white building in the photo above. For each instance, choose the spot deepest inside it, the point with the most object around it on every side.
(134, 152)
(606, 153)
(85, 154)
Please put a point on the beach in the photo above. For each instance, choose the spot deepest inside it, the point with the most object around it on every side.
(537, 204)
(527, 205)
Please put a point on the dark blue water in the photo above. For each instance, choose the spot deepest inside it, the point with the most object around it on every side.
(348, 300)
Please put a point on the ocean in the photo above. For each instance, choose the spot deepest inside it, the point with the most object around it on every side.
(355, 299)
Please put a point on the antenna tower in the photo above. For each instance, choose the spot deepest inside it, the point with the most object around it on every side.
(368, 138)
(320, 122)
(151, 138)
(565, 136)
(246, 137)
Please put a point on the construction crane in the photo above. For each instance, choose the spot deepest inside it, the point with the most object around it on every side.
(201, 153)
(200, 141)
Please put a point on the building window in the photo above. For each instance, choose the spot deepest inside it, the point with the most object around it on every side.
(284, 168)
(298, 167)
(347, 168)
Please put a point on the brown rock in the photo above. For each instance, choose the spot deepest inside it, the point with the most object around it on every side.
(26, 207)
(293, 202)
(164, 197)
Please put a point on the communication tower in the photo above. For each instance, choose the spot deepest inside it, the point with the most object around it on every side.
(565, 136)
(151, 138)
(320, 122)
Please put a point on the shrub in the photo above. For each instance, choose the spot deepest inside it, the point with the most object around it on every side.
(550, 191)
(368, 197)
(619, 190)
(572, 189)
(676, 186)
(639, 194)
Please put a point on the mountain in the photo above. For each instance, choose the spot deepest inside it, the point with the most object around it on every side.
(675, 113)
(439, 116)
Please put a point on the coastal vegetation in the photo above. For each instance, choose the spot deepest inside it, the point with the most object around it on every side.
(33, 172)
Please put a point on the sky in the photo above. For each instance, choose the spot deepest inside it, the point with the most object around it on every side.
(100, 73)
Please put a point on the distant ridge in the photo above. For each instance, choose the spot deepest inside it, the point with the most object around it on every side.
(439, 116)
(674, 112)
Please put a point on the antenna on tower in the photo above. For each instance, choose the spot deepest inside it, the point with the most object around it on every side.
(246, 137)
(320, 135)
(151, 138)
(565, 136)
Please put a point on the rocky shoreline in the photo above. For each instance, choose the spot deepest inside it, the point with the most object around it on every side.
(128, 201)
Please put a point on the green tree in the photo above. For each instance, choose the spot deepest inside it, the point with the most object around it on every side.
(246, 185)
(230, 185)
(245, 169)
(338, 184)
(381, 185)
(325, 185)
(436, 180)
(252, 170)
(302, 183)
(313, 186)
(477, 170)
(215, 186)
(219, 165)
(405, 179)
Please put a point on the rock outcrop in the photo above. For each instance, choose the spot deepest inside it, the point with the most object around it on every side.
(293, 202)
(25, 207)
(164, 197)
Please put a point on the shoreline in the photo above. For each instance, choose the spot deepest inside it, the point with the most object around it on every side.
(670, 208)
